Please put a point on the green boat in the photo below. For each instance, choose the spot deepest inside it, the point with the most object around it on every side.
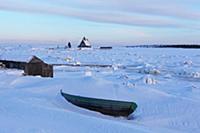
(107, 107)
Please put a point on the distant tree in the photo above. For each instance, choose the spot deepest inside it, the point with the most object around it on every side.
(69, 45)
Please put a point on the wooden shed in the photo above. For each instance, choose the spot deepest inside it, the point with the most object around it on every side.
(84, 43)
(37, 67)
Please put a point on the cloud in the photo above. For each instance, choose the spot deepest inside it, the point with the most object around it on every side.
(176, 8)
(148, 13)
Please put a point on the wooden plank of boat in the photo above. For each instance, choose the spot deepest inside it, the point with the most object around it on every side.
(108, 107)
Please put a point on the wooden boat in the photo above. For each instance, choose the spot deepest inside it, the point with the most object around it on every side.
(108, 107)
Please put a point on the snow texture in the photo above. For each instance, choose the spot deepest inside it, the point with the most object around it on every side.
(163, 82)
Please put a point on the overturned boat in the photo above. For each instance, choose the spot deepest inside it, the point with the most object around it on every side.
(108, 107)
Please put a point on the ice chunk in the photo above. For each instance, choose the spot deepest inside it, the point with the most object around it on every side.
(149, 80)
(88, 73)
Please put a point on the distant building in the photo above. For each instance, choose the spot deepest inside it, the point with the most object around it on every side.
(107, 47)
(85, 43)
(37, 67)
(69, 45)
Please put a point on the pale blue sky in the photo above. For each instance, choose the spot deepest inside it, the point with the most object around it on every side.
(102, 21)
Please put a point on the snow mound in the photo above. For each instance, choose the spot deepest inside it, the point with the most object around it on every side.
(88, 73)
(149, 69)
(149, 80)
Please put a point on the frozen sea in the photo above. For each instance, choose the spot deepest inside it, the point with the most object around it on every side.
(165, 83)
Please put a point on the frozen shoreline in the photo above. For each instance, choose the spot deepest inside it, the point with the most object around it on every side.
(163, 82)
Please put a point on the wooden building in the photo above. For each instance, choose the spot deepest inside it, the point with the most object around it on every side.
(13, 64)
(107, 47)
(37, 67)
(84, 43)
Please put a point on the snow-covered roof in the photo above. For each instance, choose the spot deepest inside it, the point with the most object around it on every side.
(85, 43)
(35, 59)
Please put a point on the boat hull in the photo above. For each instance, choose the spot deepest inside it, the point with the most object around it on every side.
(108, 107)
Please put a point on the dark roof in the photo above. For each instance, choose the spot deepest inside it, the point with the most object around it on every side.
(35, 59)
(85, 43)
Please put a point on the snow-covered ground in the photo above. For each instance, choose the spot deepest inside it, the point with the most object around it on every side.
(165, 83)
